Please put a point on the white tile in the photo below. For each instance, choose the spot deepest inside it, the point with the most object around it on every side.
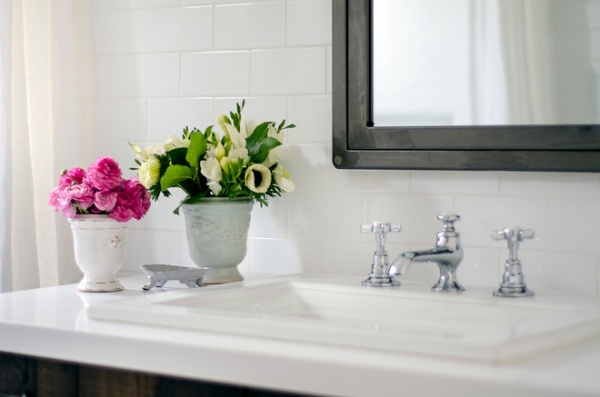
(169, 116)
(416, 213)
(463, 182)
(271, 221)
(256, 108)
(314, 13)
(288, 72)
(250, 25)
(349, 258)
(573, 225)
(483, 214)
(215, 74)
(549, 184)
(151, 246)
(274, 256)
(179, 29)
(368, 180)
(161, 216)
(119, 150)
(312, 116)
(322, 215)
(132, 4)
(550, 271)
(129, 75)
(479, 267)
(113, 33)
(114, 119)
(308, 165)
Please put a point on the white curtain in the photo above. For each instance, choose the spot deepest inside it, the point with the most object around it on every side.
(510, 57)
(38, 138)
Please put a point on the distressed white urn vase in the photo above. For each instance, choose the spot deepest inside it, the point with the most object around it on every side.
(217, 235)
(99, 243)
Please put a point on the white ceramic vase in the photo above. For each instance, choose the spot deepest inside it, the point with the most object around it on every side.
(217, 235)
(99, 243)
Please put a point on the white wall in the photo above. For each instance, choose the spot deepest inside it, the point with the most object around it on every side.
(150, 67)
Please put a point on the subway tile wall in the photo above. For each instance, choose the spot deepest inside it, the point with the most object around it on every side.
(148, 68)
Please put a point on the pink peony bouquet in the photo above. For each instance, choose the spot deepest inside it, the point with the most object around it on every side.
(100, 190)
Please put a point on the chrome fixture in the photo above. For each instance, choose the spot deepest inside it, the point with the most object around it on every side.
(378, 276)
(447, 254)
(513, 284)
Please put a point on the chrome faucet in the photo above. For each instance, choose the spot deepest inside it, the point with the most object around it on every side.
(513, 283)
(379, 276)
(447, 254)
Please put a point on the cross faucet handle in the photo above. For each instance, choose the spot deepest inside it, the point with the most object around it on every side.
(448, 221)
(380, 227)
(513, 284)
(513, 235)
(378, 276)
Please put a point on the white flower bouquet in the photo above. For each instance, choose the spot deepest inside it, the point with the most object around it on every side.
(242, 162)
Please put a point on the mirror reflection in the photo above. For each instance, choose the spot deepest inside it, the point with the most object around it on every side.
(486, 62)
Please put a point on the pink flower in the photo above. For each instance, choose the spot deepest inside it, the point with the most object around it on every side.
(69, 198)
(60, 203)
(102, 190)
(104, 174)
(140, 203)
(133, 201)
(74, 175)
(121, 213)
(105, 200)
(80, 195)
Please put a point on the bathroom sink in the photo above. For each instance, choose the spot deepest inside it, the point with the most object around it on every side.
(411, 319)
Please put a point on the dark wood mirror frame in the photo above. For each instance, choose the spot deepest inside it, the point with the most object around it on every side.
(357, 144)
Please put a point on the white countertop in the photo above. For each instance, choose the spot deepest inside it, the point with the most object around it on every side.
(52, 323)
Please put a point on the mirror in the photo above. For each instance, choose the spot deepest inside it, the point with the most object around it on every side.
(413, 119)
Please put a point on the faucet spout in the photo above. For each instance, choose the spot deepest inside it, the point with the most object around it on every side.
(447, 255)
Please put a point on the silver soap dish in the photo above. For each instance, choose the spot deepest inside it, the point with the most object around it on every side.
(158, 275)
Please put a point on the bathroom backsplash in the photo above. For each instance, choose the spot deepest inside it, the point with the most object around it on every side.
(148, 68)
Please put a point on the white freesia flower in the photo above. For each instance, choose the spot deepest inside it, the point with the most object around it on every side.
(149, 172)
(275, 152)
(211, 169)
(220, 151)
(220, 163)
(240, 153)
(175, 142)
(238, 140)
(283, 179)
(258, 178)
(249, 127)
(221, 120)
(147, 152)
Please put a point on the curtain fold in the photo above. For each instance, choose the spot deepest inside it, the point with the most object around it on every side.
(5, 144)
(42, 139)
(510, 57)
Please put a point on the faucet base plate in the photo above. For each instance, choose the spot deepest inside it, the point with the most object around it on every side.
(510, 292)
(381, 282)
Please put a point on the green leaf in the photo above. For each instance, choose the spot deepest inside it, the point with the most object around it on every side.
(261, 151)
(178, 155)
(196, 150)
(174, 175)
(259, 133)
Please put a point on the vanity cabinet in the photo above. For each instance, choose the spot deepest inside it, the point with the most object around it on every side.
(30, 376)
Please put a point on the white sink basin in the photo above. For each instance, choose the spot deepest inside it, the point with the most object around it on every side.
(410, 319)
